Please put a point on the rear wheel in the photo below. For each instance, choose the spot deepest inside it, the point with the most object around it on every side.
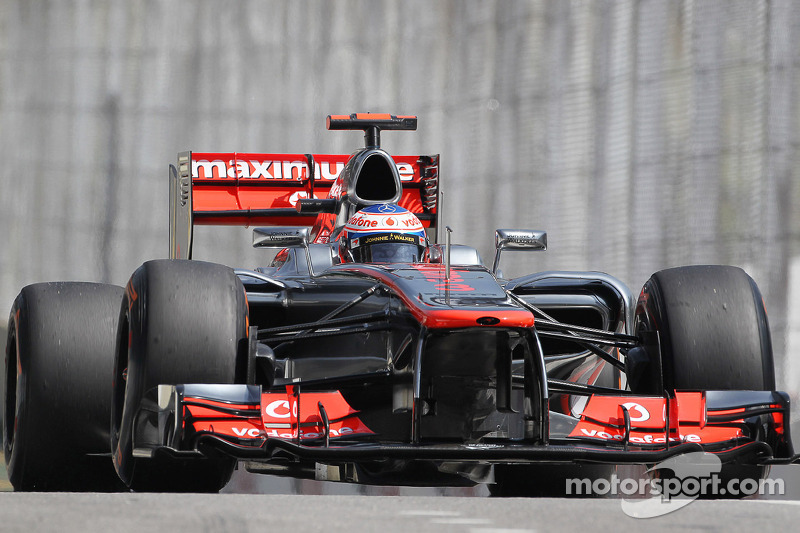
(57, 403)
(713, 335)
(180, 322)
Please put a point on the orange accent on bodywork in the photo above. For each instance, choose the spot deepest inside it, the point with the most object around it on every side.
(779, 420)
(727, 412)
(132, 294)
(448, 317)
(373, 116)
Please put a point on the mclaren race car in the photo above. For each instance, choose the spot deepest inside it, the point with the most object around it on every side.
(372, 350)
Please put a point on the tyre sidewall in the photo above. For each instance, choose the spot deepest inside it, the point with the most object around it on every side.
(186, 322)
(58, 367)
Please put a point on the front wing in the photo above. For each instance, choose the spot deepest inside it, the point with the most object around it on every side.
(246, 422)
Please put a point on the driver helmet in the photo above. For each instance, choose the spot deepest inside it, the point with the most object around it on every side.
(383, 233)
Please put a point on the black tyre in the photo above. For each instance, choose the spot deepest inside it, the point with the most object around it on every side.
(180, 322)
(713, 334)
(57, 402)
(712, 326)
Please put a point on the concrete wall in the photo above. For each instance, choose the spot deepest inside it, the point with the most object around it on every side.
(640, 134)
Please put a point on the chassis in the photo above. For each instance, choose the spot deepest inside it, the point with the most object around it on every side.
(434, 373)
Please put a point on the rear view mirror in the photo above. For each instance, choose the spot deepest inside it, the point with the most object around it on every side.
(520, 239)
(280, 237)
(517, 239)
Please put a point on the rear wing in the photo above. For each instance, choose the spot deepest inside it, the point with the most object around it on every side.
(245, 189)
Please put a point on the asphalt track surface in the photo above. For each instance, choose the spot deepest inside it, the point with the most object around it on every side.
(70, 512)
(261, 503)
(268, 504)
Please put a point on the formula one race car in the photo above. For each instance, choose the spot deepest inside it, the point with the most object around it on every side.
(372, 350)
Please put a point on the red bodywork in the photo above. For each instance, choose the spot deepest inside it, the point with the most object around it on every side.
(279, 414)
(689, 421)
(227, 182)
(277, 417)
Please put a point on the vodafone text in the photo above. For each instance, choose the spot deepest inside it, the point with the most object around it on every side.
(646, 439)
(254, 433)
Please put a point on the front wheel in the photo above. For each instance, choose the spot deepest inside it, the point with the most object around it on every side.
(712, 327)
(181, 322)
(713, 335)
(57, 402)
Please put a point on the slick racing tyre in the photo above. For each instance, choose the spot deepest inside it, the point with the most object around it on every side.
(180, 322)
(713, 335)
(57, 402)
(712, 328)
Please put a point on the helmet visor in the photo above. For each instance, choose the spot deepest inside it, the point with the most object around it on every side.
(391, 252)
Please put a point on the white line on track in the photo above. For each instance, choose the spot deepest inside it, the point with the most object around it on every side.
(498, 530)
(423, 512)
(461, 521)
(455, 518)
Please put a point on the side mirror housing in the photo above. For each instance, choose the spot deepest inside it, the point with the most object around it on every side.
(280, 237)
(518, 239)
